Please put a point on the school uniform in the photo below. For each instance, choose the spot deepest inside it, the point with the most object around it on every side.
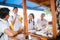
(41, 23)
(41, 26)
(17, 24)
(3, 26)
(45, 29)
(31, 28)
(31, 25)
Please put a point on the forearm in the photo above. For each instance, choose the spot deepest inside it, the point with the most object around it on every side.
(13, 21)
(11, 33)
(20, 30)
(14, 38)
(14, 33)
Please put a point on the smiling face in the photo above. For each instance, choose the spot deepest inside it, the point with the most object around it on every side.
(42, 16)
(15, 11)
(31, 16)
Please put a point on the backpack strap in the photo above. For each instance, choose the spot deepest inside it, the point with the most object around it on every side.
(1, 33)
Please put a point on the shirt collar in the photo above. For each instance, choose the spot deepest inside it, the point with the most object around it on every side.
(3, 20)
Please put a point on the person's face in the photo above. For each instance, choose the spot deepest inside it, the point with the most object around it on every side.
(30, 17)
(42, 16)
(15, 11)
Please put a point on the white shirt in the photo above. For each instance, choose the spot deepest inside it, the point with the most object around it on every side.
(47, 29)
(31, 25)
(41, 24)
(4, 25)
(17, 24)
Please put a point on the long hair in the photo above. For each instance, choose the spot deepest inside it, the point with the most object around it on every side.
(33, 18)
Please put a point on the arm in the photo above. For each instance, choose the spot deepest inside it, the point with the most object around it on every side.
(13, 20)
(20, 27)
(10, 33)
(20, 30)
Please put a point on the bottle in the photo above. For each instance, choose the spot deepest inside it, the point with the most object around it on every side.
(29, 37)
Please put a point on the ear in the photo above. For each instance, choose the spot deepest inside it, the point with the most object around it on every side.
(7, 16)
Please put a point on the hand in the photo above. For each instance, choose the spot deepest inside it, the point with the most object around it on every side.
(20, 31)
(15, 15)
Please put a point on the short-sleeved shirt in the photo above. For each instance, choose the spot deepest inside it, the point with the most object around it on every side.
(42, 23)
(31, 25)
(3, 26)
(17, 24)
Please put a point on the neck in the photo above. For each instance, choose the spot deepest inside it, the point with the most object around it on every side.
(5, 19)
(15, 14)
(30, 19)
(41, 18)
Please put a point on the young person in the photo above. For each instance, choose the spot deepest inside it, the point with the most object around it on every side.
(31, 22)
(42, 22)
(4, 25)
(16, 22)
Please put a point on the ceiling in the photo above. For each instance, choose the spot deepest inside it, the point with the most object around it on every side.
(42, 2)
(31, 4)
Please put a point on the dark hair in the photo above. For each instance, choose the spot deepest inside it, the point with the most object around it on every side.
(33, 18)
(4, 12)
(15, 8)
(42, 14)
(32, 15)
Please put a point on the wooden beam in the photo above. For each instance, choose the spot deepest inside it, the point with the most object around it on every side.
(44, 2)
(39, 36)
(41, 3)
(25, 18)
(52, 2)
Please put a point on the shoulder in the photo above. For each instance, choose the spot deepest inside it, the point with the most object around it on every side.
(1, 23)
(45, 20)
(38, 20)
(11, 13)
